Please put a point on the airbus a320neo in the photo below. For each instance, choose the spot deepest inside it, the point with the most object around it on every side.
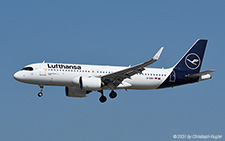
(79, 80)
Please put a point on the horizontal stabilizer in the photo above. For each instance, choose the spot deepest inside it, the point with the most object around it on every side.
(200, 74)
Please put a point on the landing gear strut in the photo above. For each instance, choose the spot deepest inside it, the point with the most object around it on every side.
(102, 99)
(112, 94)
(40, 94)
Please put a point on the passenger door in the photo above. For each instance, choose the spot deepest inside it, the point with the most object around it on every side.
(43, 69)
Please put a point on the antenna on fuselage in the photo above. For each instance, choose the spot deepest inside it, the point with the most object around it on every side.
(43, 61)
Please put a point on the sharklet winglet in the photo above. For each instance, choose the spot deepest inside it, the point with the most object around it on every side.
(157, 55)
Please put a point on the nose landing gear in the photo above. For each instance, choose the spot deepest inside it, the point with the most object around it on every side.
(40, 94)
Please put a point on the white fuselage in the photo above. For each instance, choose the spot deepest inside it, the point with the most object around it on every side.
(58, 74)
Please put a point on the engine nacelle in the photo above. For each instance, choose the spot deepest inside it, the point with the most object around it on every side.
(205, 77)
(75, 92)
(88, 83)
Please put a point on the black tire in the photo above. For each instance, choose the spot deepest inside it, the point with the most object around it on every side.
(102, 99)
(40, 94)
(113, 94)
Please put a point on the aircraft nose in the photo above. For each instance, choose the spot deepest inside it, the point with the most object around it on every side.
(17, 76)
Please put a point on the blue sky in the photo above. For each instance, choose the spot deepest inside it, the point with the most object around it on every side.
(110, 33)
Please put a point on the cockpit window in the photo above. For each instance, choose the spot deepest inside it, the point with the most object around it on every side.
(28, 68)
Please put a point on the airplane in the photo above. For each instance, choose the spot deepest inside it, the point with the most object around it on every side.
(79, 80)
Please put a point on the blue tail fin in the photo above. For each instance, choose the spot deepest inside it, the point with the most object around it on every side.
(188, 65)
(191, 62)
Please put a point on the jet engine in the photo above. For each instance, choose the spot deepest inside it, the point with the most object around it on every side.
(88, 83)
(75, 92)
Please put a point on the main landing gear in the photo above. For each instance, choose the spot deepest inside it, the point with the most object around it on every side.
(40, 94)
(103, 98)
(112, 94)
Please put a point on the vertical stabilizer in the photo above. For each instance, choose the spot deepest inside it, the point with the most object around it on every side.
(187, 67)
(192, 60)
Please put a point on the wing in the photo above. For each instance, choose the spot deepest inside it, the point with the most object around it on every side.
(114, 79)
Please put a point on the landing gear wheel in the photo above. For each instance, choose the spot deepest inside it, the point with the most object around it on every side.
(102, 99)
(40, 94)
(112, 94)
